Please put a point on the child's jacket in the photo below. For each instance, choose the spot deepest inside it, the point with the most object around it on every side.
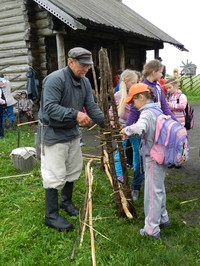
(145, 127)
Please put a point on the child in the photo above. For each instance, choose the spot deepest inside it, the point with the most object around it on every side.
(128, 78)
(176, 100)
(151, 74)
(25, 106)
(156, 216)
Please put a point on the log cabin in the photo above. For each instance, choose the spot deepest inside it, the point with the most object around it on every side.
(39, 33)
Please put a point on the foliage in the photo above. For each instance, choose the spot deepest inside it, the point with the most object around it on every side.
(25, 240)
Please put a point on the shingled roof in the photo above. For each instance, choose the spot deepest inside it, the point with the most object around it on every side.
(108, 13)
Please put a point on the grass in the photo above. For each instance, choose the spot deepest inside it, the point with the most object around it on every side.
(26, 241)
(190, 86)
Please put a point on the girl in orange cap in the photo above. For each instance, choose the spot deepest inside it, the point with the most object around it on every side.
(156, 216)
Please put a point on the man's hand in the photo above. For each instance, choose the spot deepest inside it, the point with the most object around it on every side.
(83, 119)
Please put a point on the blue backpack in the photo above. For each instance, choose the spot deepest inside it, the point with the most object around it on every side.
(171, 144)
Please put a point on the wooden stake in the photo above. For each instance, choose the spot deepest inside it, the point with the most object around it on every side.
(83, 219)
(90, 177)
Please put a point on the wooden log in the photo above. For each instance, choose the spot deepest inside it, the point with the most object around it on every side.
(7, 5)
(16, 69)
(14, 37)
(4, 14)
(13, 53)
(108, 137)
(19, 28)
(11, 21)
(45, 32)
(12, 45)
(13, 60)
(41, 14)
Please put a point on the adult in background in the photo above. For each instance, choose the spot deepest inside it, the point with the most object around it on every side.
(10, 102)
(65, 93)
(164, 68)
(2, 104)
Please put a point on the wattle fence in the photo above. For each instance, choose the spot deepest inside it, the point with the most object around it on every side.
(190, 84)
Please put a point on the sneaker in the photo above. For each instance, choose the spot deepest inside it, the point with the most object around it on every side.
(155, 236)
(120, 179)
(82, 144)
(164, 225)
(135, 194)
(170, 166)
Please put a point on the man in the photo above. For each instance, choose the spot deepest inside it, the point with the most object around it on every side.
(164, 68)
(65, 93)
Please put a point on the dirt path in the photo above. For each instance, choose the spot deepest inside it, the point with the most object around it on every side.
(192, 167)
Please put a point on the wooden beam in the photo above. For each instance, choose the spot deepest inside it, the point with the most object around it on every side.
(60, 50)
(122, 56)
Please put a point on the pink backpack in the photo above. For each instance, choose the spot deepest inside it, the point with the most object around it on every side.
(171, 144)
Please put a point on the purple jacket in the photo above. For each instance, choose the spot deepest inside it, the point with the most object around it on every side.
(160, 97)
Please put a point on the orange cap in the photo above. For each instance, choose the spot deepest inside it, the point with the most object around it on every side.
(136, 89)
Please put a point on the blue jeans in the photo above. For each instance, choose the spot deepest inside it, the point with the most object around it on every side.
(137, 163)
(10, 112)
(118, 166)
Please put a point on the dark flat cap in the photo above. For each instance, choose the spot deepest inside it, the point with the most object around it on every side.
(80, 54)
(159, 58)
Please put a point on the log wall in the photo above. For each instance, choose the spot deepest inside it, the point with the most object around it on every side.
(23, 27)
(13, 49)
(28, 38)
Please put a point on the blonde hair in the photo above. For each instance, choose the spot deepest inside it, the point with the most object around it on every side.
(149, 67)
(126, 76)
(172, 81)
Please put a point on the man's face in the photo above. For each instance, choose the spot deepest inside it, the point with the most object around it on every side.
(79, 69)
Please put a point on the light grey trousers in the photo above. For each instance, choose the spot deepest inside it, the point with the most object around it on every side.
(61, 163)
(154, 196)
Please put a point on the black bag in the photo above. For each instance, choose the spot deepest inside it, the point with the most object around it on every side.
(189, 116)
(3, 97)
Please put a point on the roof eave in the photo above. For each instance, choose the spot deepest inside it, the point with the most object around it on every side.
(61, 15)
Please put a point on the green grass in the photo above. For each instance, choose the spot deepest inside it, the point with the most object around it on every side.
(190, 86)
(26, 241)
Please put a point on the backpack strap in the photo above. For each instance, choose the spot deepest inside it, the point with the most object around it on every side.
(158, 92)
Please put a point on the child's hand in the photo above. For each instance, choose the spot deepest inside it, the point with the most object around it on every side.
(123, 131)
(123, 134)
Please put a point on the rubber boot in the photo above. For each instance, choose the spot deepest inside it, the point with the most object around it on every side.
(52, 217)
(66, 199)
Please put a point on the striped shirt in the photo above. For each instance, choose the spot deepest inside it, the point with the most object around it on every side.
(177, 102)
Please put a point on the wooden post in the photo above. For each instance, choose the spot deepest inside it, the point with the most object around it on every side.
(60, 50)
(122, 57)
(110, 134)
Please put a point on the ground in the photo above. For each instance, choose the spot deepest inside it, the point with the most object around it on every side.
(187, 184)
